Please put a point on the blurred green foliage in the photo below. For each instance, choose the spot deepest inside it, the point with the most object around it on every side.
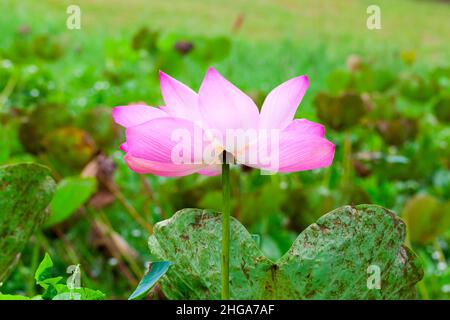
(387, 112)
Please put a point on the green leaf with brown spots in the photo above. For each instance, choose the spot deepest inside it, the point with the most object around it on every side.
(332, 259)
(25, 192)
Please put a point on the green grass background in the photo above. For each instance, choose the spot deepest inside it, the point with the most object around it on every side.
(278, 39)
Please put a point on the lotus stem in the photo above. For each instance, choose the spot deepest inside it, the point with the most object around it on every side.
(226, 228)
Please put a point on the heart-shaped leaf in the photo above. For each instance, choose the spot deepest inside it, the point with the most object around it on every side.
(332, 259)
(25, 191)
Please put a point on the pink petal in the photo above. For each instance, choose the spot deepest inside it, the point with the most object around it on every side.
(299, 147)
(124, 147)
(132, 115)
(143, 166)
(157, 139)
(181, 101)
(303, 126)
(212, 170)
(224, 106)
(304, 152)
(280, 105)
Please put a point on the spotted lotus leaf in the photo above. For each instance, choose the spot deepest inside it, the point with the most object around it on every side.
(335, 258)
(25, 192)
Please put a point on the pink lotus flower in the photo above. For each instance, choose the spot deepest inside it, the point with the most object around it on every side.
(152, 134)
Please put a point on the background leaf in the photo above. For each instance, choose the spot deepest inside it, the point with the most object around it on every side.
(155, 271)
(13, 297)
(71, 193)
(44, 269)
(64, 293)
(426, 218)
(25, 191)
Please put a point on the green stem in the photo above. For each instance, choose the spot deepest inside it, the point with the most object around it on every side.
(34, 263)
(226, 229)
